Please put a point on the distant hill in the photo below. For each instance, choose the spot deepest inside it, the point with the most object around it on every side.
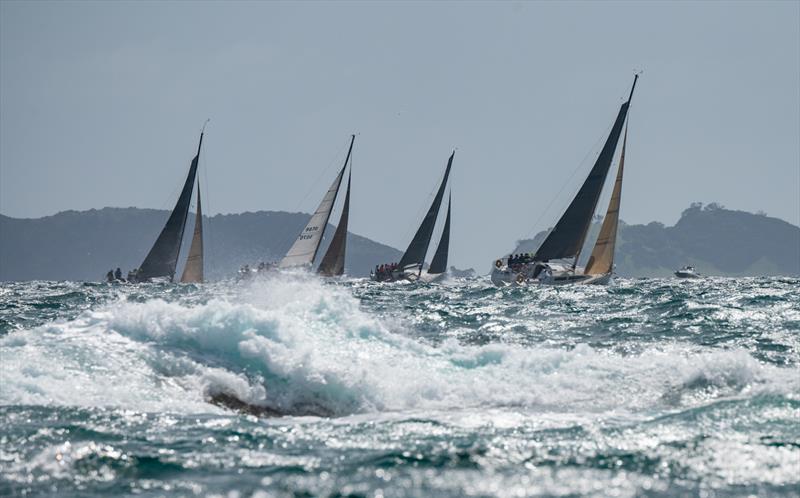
(84, 245)
(715, 240)
(74, 245)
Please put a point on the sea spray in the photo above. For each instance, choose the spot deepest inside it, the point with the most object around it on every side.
(444, 389)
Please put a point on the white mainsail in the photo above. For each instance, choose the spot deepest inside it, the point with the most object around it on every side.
(304, 249)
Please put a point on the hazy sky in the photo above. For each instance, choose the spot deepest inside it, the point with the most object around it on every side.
(101, 104)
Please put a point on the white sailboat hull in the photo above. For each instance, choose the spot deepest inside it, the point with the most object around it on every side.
(523, 276)
(410, 276)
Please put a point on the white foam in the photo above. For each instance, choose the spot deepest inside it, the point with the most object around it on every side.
(293, 342)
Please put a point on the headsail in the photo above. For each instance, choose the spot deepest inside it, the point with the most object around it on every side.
(415, 254)
(332, 264)
(163, 256)
(602, 259)
(304, 249)
(193, 271)
(439, 262)
(566, 239)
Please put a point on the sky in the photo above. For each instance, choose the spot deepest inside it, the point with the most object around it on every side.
(101, 104)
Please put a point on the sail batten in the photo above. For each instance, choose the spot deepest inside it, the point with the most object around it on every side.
(304, 250)
(193, 271)
(162, 259)
(567, 237)
(415, 253)
(439, 261)
(332, 263)
(601, 260)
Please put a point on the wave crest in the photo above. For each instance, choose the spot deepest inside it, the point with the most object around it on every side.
(299, 346)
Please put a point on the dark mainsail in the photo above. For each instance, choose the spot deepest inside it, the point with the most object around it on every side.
(163, 256)
(566, 239)
(332, 263)
(439, 262)
(415, 254)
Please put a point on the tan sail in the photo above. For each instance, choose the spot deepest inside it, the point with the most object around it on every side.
(193, 271)
(602, 259)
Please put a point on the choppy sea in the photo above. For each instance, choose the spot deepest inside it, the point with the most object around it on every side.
(653, 387)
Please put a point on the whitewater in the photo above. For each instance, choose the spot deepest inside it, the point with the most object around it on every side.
(654, 387)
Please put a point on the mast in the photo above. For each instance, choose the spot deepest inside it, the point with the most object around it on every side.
(193, 271)
(602, 259)
(163, 256)
(567, 237)
(304, 250)
(415, 253)
(332, 264)
(439, 262)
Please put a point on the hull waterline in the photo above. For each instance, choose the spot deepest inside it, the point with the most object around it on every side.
(503, 277)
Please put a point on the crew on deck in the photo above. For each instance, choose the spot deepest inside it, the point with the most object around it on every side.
(133, 274)
(116, 276)
(384, 272)
(517, 260)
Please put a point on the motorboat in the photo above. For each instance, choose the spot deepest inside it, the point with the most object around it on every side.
(687, 272)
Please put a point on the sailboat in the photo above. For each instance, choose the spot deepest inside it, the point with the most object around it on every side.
(411, 265)
(304, 250)
(162, 260)
(555, 261)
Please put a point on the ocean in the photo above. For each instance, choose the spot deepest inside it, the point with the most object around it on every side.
(655, 387)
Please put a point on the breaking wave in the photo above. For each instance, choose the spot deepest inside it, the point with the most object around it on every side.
(299, 346)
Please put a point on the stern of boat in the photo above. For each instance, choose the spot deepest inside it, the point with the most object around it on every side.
(502, 277)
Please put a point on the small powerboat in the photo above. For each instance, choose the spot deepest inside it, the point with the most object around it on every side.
(687, 272)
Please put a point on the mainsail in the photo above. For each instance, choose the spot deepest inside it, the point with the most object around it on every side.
(415, 254)
(602, 259)
(566, 239)
(193, 271)
(304, 249)
(332, 263)
(439, 262)
(163, 256)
